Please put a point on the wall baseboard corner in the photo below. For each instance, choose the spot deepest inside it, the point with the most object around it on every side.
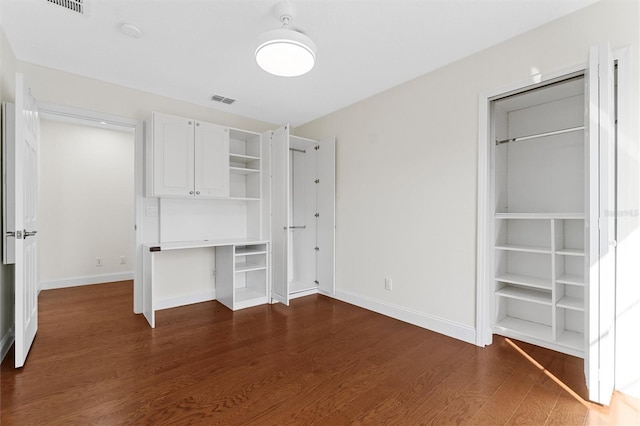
(6, 342)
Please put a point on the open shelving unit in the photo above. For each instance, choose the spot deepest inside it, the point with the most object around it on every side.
(245, 164)
(538, 257)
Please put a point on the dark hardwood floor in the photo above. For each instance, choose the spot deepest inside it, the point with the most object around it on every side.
(319, 361)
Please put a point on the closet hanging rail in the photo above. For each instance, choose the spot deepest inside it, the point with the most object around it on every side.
(298, 150)
(540, 135)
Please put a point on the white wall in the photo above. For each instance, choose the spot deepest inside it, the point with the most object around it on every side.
(86, 206)
(7, 92)
(407, 177)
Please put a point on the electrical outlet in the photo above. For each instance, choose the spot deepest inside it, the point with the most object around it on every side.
(98, 261)
(388, 284)
(123, 260)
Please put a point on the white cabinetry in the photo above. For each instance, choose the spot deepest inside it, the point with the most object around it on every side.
(243, 271)
(186, 158)
(539, 220)
(303, 215)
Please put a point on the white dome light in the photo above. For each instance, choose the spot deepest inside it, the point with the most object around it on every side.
(286, 53)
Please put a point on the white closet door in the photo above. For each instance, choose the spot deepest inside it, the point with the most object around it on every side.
(280, 205)
(173, 155)
(599, 330)
(326, 225)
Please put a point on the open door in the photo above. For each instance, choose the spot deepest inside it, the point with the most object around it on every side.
(601, 234)
(326, 224)
(280, 221)
(24, 183)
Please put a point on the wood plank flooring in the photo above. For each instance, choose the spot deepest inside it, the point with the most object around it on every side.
(319, 361)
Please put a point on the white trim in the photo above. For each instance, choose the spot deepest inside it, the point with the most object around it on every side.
(6, 342)
(173, 302)
(304, 293)
(86, 280)
(439, 325)
(81, 116)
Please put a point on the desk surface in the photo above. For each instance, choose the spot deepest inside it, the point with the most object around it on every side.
(179, 245)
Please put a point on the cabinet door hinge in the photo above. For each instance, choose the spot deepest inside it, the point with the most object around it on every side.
(317, 215)
(316, 282)
(317, 147)
(316, 248)
(317, 181)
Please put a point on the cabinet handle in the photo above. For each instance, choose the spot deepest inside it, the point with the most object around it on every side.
(197, 124)
(190, 122)
(197, 192)
(190, 192)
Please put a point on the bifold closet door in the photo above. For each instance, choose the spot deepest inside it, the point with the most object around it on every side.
(280, 209)
(600, 295)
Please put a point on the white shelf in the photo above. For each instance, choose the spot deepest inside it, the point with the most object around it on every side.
(243, 170)
(526, 328)
(572, 340)
(535, 296)
(523, 248)
(525, 280)
(570, 252)
(570, 279)
(576, 215)
(242, 158)
(249, 266)
(573, 303)
(242, 251)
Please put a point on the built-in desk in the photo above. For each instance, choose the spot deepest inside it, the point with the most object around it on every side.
(242, 272)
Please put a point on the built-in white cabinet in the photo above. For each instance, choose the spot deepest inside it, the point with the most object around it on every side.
(547, 242)
(303, 215)
(243, 271)
(186, 158)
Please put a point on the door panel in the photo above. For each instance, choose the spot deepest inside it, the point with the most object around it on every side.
(326, 224)
(599, 328)
(280, 205)
(173, 155)
(26, 241)
(211, 160)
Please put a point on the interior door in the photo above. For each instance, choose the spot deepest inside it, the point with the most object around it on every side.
(25, 181)
(326, 224)
(600, 327)
(280, 205)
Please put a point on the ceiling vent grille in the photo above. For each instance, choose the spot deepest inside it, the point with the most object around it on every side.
(222, 99)
(78, 6)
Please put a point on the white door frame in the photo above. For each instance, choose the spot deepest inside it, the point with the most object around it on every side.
(82, 116)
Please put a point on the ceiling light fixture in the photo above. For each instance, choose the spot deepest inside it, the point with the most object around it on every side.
(285, 52)
(132, 30)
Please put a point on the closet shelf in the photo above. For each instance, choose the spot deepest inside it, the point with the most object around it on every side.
(572, 215)
(573, 303)
(243, 170)
(523, 248)
(570, 279)
(570, 252)
(525, 294)
(249, 266)
(525, 280)
(242, 158)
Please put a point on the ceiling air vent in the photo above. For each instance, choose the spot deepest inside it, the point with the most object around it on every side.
(78, 6)
(222, 99)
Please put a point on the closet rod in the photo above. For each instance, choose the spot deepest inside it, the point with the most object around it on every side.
(540, 135)
(298, 150)
(296, 227)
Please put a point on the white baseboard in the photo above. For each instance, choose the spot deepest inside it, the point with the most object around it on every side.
(303, 293)
(86, 280)
(430, 322)
(172, 302)
(6, 342)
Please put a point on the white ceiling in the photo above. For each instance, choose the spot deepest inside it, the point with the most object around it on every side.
(192, 49)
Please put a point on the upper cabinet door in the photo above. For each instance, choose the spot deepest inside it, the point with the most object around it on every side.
(211, 160)
(600, 331)
(173, 155)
